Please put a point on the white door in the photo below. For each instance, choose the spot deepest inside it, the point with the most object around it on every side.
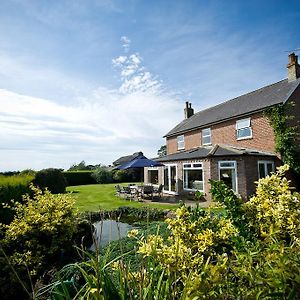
(170, 179)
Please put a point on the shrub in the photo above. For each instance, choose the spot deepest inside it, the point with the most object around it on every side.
(121, 176)
(52, 179)
(102, 175)
(233, 206)
(196, 236)
(274, 211)
(79, 177)
(251, 252)
(39, 235)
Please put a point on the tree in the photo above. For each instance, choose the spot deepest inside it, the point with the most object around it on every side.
(102, 175)
(77, 167)
(162, 151)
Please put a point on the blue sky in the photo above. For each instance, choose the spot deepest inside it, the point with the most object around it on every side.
(94, 80)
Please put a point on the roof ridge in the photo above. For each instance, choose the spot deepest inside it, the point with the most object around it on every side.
(228, 100)
(213, 150)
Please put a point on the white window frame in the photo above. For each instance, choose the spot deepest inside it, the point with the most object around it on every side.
(265, 162)
(237, 127)
(152, 169)
(204, 136)
(193, 168)
(227, 168)
(180, 143)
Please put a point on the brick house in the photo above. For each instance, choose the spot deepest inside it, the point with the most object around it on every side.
(232, 141)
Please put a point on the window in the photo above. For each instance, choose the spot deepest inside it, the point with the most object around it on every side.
(180, 142)
(153, 176)
(193, 177)
(265, 168)
(206, 136)
(228, 174)
(243, 129)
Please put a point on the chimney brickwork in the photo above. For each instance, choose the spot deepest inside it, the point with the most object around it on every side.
(188, 111)
(293, 67)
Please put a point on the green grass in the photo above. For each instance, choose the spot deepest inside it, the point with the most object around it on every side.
(102, 196)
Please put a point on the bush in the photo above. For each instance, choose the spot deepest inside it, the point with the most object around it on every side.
(79, 177)
(52, 179)
(102, 175)
(121, 176)
(252, 251)
(39, 236)
(274, 211)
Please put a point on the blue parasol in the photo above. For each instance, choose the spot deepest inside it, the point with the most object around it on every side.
(140, 162)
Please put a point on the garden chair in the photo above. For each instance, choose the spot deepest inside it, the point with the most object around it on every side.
(130, 194)
(119, 190)
(158, 191)
(147, 190)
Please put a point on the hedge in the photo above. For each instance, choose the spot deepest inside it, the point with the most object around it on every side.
(12, 188)
(79, 177)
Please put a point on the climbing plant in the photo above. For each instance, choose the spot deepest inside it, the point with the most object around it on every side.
(285, 134)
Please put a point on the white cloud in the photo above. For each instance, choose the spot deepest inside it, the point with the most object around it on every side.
(98, 129)
(135, 78)
(125, 43)
(119, 60)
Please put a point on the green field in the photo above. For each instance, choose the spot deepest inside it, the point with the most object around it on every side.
(102, 196)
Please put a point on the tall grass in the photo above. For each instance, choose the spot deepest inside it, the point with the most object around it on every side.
(105, 275)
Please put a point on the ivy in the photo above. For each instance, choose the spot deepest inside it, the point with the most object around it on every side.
(285, 135)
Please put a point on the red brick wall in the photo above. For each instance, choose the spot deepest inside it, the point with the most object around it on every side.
(225, 133)
(191, 140)
(247, 173)
(171, 145)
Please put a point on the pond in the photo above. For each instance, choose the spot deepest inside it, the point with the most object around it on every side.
(110, 230)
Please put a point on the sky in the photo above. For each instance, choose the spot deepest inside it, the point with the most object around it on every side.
(95, 80)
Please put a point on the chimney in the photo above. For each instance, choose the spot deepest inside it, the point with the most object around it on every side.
(293, 67)
(188, 111)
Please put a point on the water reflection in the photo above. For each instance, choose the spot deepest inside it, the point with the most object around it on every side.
(110, 230)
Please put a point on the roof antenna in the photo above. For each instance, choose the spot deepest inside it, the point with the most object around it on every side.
(295, 50)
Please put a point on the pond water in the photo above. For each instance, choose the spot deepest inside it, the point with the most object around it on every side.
(110, 230)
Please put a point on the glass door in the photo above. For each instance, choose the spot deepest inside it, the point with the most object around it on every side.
(170, 179)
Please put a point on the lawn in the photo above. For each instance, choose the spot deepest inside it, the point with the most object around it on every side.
(95, 196)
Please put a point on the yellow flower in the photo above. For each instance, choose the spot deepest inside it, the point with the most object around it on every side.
(132, 233)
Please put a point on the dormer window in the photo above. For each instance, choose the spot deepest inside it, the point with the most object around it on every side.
(180, 142)
(243, 129)
(206, 136)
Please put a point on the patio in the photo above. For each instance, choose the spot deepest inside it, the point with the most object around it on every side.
(154, 194)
